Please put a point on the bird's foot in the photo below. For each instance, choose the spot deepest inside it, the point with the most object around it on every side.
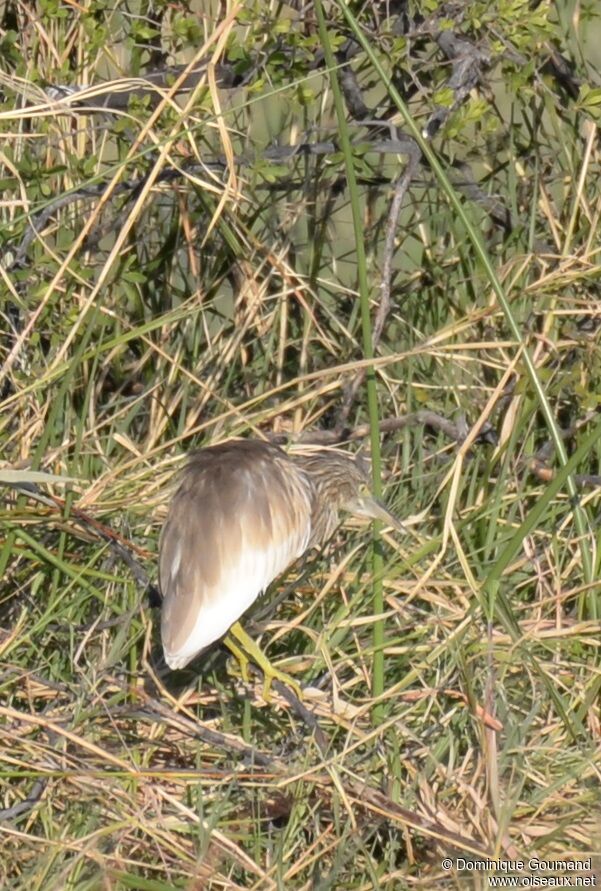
(246, 650)
(271, 674)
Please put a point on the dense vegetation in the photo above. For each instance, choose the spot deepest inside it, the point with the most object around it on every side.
(371, 225)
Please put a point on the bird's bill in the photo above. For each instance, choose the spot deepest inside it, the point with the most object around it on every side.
(374, 509)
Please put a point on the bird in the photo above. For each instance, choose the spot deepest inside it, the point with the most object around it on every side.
(245, 510)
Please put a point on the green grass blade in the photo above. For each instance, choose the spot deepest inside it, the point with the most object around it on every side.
(372, 397)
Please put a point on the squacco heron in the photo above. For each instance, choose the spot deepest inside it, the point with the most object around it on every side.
(245, 510)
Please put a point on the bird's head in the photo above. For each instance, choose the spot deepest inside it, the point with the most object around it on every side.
(359, 499)
(343, 482)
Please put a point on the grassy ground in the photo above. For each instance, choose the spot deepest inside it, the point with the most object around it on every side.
(144, 322)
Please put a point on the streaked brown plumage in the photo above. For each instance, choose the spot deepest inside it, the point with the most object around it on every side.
(245, 510)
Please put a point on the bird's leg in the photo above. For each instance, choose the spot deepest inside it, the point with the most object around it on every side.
(240, 655)
(244, 646)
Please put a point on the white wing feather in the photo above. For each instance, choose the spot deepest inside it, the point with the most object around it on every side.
(238, 587)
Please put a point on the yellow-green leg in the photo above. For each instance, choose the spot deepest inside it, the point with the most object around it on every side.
(240, 656)
(244, 649)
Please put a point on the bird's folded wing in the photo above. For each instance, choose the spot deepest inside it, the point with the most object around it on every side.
(221, 547)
